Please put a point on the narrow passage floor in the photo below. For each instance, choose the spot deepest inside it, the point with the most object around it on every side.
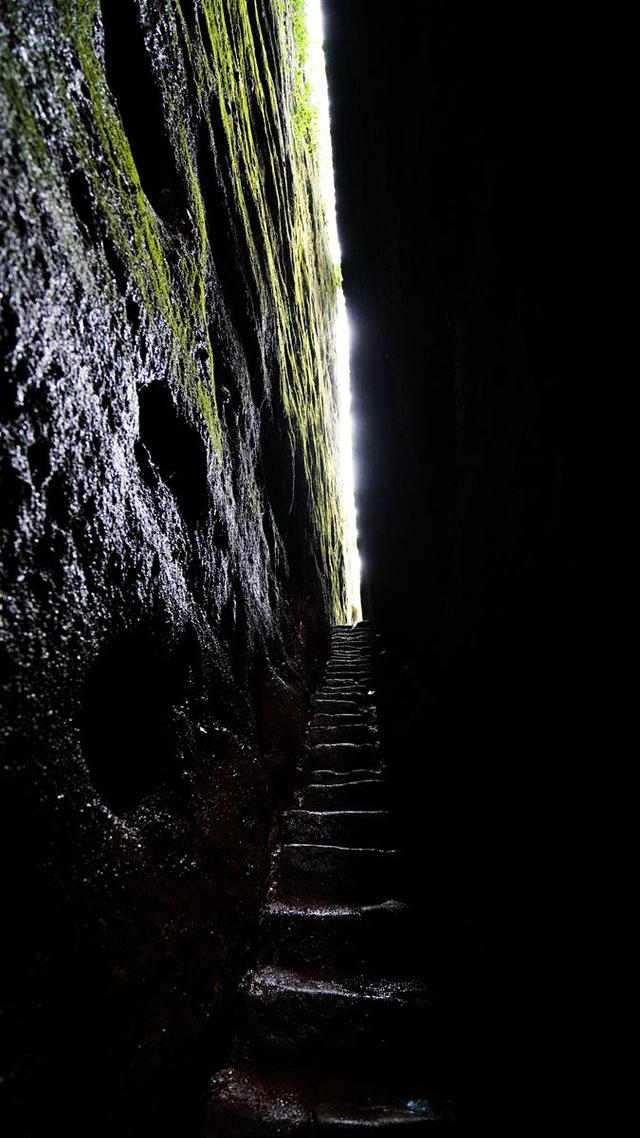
(337, 1034)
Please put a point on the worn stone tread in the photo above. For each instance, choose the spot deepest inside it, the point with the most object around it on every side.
(375, 1119)
(345, 755)
(330, 1015)
(338, 719)
(356, 793)
(339, 827)
(289, 1012)
(359, 774)
(339, 706)
(340, 735)
(330, 871)
(276, 982)
(244, 1103)
(328, 936)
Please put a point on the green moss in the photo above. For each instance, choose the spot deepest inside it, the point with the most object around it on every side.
(178, 298)
(304, 115)
(255, 71)
(22, 120)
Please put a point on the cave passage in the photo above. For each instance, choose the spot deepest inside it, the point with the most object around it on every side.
(336, 1027)
(275, 864)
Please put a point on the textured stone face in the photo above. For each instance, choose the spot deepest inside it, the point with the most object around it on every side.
(170, 529)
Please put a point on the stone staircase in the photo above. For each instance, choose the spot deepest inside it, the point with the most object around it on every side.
(336, 1033)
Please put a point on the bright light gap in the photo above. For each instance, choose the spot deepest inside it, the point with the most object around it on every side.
(317, 78)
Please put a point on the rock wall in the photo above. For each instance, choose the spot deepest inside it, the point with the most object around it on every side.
(448, 140)
(171, 534)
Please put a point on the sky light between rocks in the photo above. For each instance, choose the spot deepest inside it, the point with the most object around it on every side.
(317, 77)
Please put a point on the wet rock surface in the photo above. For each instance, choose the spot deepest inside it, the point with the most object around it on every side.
(337, 1030)
(169, 528)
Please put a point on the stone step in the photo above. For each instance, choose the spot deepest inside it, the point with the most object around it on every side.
(351, 718)
(349, 648)
(305, 871)
(243, 1103)
(350, 656)
(345, 689)
(344, 938)
(361, 694)
(359, 794)
(351, 644)
(341, 1120)
(350, 651)
(351, 639)
(361, 679)
(353, 828)
(331, 778)
(350, 1022)
(357, 716)
(338, 706)
(356, 679)
(342, 733)
(338, 1051)
(362, 626)
(347, 668)
(343, 756)
(343, 647)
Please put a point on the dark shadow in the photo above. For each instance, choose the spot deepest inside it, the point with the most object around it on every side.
(132, 83)
(8, 337)
(176, 448)
(83, 202)
(221, 231)
(127, 721)
(286, 490)
(39, 455)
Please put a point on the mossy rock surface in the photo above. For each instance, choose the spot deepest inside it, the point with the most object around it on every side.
(169, 520)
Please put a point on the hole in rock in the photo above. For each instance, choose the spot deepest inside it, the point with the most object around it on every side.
(82, 201)
(132, 84)
(115, 263)
(133, 314)
(127, 717)
(285, 486)
(9, 324)
(58, 499)
(15, 493)
(276, 469)
(8, 336)
(176, 448)
(190, 10)
(231, 387)
(6, 666)
(228, 616)
(39, 461)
